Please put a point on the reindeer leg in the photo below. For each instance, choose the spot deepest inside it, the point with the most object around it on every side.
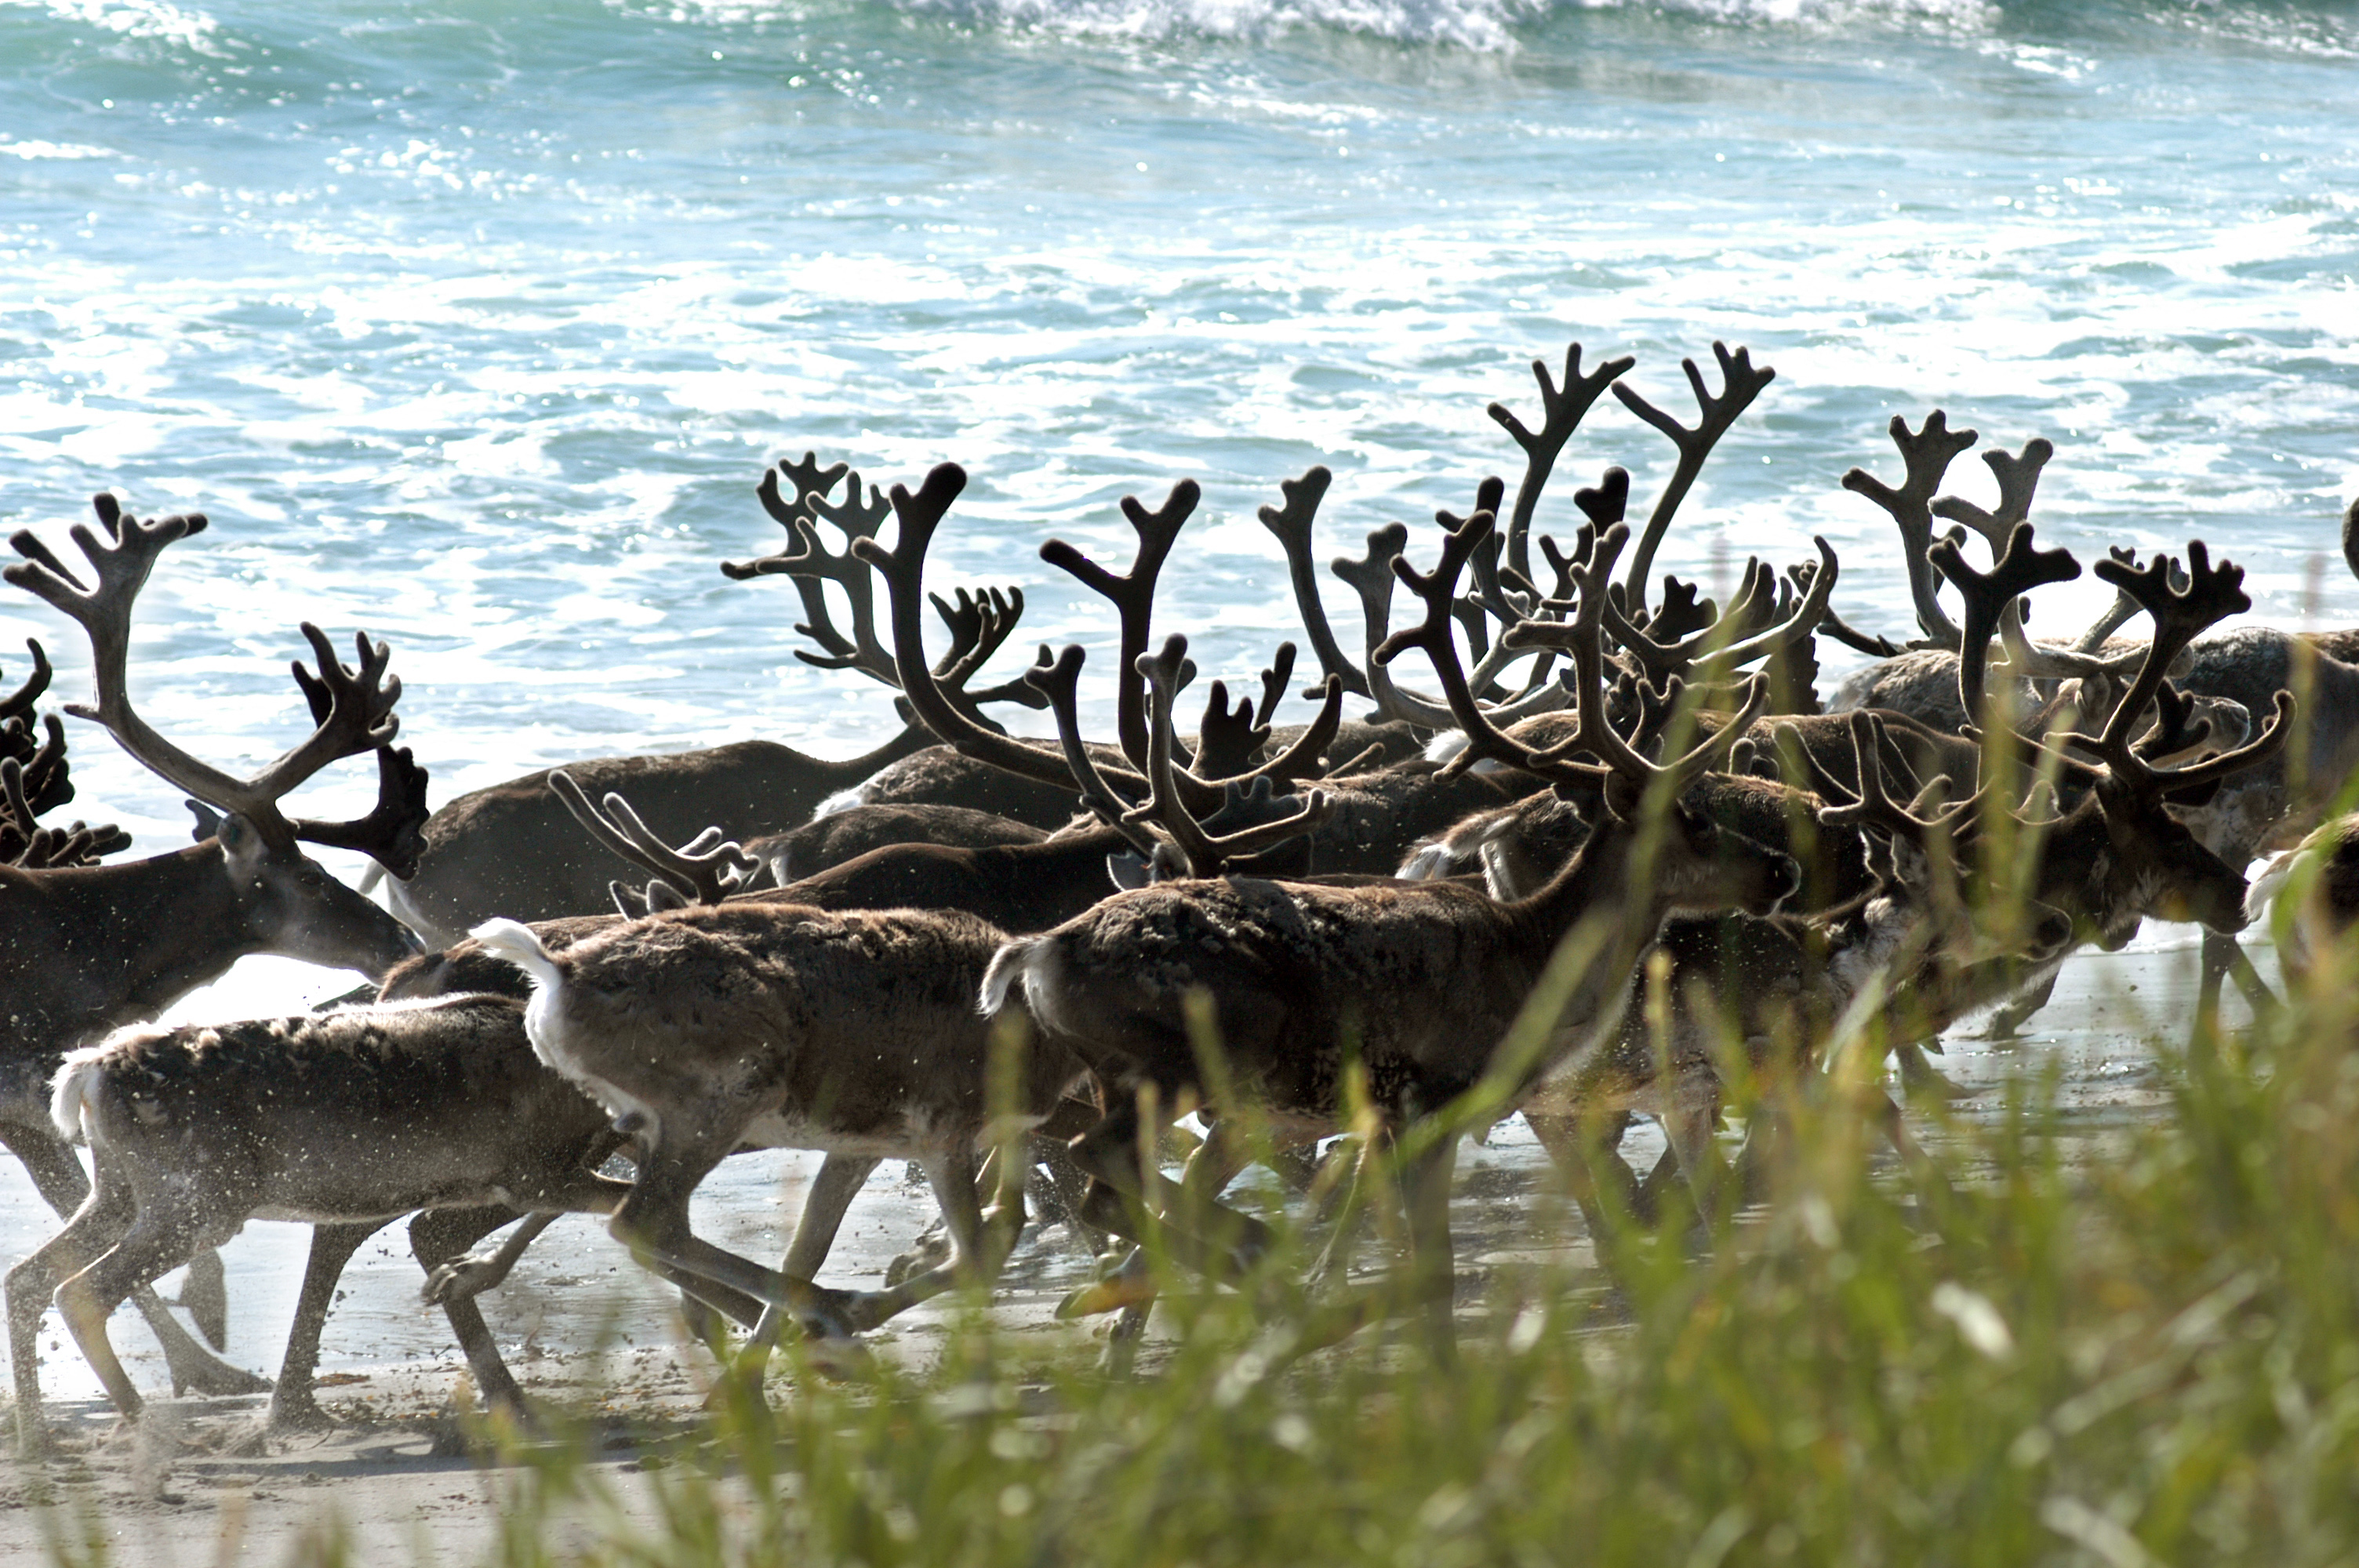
(2216, 964)
(1590, 1160)
(2257, 995)
(96, 1226)
(1432, 1280)
(839, 1181)
(1691, 1129)
(470, 1274)
(292, 1406)
(1334, 1269)
(653, 1223)
(163, 1236)
(205, 1293)
(977, 1249)
(2007, 1020)
(1199, 1232)
(58, 1177)
(1056, 1190)
(437, 1236)
(1211, 1166)
(1062, 1193)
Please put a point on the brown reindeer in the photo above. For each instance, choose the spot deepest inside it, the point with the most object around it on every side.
(704, 1028)
(84, 949)
(1416, 982)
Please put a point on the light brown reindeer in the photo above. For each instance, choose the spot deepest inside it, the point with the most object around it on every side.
(707, 1028)
(355, 1116)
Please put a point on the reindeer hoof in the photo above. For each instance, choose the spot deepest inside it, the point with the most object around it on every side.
(1927, 1082)
(926, 1254)
(1110, 1294)
(829, 1314)
(461, 1279)
(207, 1376)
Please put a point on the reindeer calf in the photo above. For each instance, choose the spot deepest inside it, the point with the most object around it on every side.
(335, 1118)
(712, 1027)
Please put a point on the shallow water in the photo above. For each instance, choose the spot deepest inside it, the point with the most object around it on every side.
(472, 324)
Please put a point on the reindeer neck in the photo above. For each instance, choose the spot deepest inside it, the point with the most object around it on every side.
(1595, 880)
(914, 738)
(140, 935)
(2076, 848)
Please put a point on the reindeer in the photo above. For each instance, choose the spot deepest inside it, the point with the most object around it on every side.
(356, 1115)
(704, 1028)
(87, 948)
(2264, 808)
(1420, 979)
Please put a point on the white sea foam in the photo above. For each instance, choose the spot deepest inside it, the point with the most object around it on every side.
(158, 19)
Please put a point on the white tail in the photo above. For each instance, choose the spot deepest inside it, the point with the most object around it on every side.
(74, 1092)
(515, 941)
(2269, 884)
(1007, 968)
(1425, 863)
(842, 800)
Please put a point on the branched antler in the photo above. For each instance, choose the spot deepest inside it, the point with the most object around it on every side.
(1292, 523)
(706, 869)
(2180, 615)
(903, 569)
(1561, 411)
(813, 565)
(1203, 854)
(1059, 680)
(1927, 454)
(1740, 385)
(2018, 569)
(1133, 595)
(18, 704)
(359, 702)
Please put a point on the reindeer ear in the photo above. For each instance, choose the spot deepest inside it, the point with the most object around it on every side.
(1128, 871)
(242, 845)
(1587, 803)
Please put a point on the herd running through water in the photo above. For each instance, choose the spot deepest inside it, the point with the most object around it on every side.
(1014, 962)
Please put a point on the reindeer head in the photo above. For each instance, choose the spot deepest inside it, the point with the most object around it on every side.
(285, 902)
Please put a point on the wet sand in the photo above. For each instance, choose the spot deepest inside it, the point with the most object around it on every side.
(583, 1328)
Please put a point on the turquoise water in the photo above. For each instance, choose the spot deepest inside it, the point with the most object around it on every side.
(473, 324)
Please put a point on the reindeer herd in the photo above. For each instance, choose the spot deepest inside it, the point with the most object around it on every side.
(1014, 962)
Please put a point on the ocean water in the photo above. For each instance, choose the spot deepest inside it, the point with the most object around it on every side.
(472, 323)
